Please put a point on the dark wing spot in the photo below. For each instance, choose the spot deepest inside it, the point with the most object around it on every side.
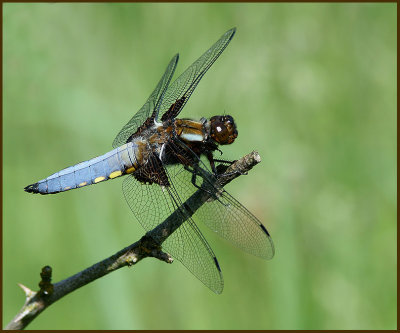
(263, 229)
(217, 264)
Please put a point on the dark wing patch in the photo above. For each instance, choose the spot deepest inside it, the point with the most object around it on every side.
(152, 172)
(174, 109)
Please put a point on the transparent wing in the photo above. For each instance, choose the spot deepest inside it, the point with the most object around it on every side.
(162, 99)
(182, 88)
(232, 221)
(151, 205)
(226, 216)
(152, 103)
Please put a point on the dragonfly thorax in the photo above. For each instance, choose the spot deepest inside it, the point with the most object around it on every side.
(190, 131)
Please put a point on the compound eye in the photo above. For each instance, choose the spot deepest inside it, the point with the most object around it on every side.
(223, 129)
(221, 133)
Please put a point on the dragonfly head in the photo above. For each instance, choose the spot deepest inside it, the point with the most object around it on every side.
(223, 129)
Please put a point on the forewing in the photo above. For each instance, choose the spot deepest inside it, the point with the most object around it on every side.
(152, 104)
(182, 88)
(151, 205)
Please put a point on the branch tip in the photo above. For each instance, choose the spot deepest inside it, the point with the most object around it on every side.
(163, 256)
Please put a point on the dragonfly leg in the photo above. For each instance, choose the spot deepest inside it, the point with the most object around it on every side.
(213, 194)
(194, 176)
(221, 168)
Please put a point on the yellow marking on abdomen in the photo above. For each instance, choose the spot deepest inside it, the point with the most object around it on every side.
(115, 174)
(82, 184)
(67, 188)
(130, 170)
(99, 179)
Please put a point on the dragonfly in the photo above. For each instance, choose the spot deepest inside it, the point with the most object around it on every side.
(165, 160)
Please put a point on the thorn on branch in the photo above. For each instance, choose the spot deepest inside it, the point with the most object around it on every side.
(28, 292)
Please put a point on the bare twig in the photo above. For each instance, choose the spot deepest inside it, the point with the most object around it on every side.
(148, 246)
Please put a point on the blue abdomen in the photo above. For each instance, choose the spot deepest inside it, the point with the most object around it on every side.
(115, 163)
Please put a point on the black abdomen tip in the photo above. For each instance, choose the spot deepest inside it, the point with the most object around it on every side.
(33, 188)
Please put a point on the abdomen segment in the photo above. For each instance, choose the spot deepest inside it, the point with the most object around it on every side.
(115, 163)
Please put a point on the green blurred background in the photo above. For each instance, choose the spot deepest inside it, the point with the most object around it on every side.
(312, 88)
